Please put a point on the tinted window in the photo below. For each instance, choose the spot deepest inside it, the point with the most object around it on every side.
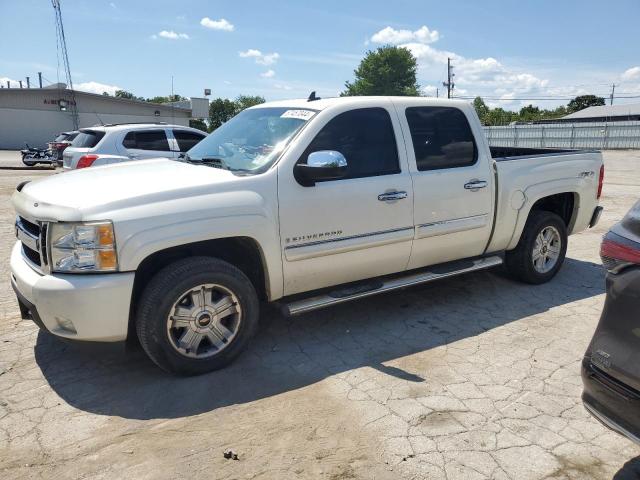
(441, 137)
(187, 139)
(147, 140)
(365, 137)
(87, 139)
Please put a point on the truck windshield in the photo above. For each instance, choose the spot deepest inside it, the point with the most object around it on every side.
(252, 140)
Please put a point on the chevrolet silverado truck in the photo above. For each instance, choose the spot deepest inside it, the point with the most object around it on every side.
(307, 203)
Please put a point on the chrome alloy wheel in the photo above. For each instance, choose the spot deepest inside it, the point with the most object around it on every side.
(204, 321)
(546, 249)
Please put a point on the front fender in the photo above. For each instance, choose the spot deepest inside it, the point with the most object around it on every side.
(180, 222)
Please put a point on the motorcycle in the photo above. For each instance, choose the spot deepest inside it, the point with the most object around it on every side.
(31, 156)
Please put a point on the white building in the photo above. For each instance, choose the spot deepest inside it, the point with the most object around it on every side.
(36, 115)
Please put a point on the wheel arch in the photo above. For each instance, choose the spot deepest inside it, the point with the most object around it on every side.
(245, 253)
(564, 202)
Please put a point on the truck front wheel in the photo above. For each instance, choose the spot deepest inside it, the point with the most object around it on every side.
(541, 249)
(196, 315)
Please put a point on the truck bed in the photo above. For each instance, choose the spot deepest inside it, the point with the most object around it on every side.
(515, 153)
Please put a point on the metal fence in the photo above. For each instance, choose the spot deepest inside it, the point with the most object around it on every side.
(601, 136)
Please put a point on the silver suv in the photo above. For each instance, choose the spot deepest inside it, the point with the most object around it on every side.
(115, 143)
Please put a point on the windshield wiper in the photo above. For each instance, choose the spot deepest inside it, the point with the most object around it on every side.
(214, 162)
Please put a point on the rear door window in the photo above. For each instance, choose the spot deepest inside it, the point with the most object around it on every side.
(441, 137)
(146, 140)
(187, 139)
(87, 139)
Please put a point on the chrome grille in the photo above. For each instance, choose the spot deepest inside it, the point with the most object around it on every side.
(33, 237)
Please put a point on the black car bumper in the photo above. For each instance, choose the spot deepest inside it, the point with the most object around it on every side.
(595, 217)
(614, 404)
(28, 310)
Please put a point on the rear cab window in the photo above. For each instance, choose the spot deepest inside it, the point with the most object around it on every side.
(87, 139)
(146, 140)
(441, 138)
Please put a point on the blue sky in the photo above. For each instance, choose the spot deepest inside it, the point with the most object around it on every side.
(503, 50)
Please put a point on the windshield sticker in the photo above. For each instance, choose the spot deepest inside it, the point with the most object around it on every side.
(300, 114)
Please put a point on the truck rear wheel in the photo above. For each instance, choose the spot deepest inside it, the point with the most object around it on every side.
(196, 315)
(541, 249)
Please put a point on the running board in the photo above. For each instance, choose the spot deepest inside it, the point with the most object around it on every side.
(386, 284)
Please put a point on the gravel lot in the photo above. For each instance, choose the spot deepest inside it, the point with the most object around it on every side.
(472, 377)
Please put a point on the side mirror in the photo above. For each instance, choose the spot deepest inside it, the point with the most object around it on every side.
(321, 165)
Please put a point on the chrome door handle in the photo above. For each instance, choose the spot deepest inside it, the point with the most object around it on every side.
(475, 184)
(391, 196)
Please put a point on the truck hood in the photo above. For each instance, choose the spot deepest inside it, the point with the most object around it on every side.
(81, 194)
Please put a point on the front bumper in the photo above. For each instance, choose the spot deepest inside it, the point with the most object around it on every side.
(92, 307)
(612, 403)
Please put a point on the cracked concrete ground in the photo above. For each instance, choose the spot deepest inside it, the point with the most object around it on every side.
(473, 377)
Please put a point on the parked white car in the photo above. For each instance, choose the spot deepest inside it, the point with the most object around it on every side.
(116, 143)
(305, 203)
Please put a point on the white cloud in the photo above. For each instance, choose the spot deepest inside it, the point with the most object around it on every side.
(260, 58)
(96, 87)
(395, 37)
(221, 24)
(268, 74)
(631, 74)
(171, 35)
(477, 76)
(112, 5)
(12, 83)
(429, 90)
(282, 86)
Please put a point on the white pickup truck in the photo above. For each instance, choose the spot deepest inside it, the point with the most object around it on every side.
(305, 202)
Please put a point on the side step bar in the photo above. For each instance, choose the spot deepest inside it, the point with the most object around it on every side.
(387, 284)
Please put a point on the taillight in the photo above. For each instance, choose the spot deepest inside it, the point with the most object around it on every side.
(618, 252)
(86, 161)
(600, 181)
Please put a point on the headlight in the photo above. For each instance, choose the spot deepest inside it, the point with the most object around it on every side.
(83, 247)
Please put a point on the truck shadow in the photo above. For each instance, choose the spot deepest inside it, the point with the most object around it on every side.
(292, 353)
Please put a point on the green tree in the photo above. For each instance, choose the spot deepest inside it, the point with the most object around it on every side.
(529, 114)
(128, 95)
(388, 70)
(199, 124)
(220, 110)
(481, 109)
(167, 99)
(246, 101)
(584, 101)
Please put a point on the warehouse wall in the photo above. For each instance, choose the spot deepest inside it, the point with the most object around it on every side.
(28, 115)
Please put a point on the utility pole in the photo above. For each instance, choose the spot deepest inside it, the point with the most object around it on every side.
(437, 92)
(40, 79)
(613, 91)
(28, 83)
(449, 83)
(20, 81)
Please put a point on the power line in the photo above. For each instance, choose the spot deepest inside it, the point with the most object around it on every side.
(509, 99)
(65, 57)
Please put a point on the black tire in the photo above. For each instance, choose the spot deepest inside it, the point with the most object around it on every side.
(519, 261)
(29, 164)
(167, 287)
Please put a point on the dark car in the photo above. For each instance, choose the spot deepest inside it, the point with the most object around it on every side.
(611, 365)
(61, 142)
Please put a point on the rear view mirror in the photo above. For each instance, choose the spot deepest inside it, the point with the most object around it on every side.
(321, 166)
